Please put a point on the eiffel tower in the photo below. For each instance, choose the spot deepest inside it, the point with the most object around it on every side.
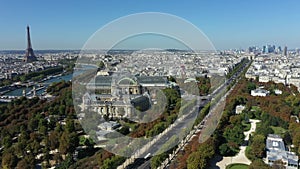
(29, 56)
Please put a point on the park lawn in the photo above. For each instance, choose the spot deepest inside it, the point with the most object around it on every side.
(237, 166)
(255, 108)
(278, 130)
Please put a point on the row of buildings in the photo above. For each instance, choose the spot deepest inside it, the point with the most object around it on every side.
(12, 65)
(16, 63)
(130, 81)
(276, 68)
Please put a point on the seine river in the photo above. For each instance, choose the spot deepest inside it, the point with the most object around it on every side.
(68, 77)
(19, 91)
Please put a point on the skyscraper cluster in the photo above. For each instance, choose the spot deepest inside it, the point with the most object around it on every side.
(268, 49)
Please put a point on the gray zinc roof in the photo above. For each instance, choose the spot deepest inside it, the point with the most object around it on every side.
(103, 81)
(152, 79)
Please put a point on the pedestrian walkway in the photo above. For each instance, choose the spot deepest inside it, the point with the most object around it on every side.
(221, 162)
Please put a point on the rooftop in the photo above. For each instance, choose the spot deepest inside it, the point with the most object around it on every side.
(276, 150)
(152, 79)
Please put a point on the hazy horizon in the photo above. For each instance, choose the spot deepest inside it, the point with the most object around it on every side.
(228, 24)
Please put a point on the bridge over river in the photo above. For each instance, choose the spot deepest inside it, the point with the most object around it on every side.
(17, 90)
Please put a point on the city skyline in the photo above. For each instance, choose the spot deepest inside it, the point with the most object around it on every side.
(150, 84)
(234, 24)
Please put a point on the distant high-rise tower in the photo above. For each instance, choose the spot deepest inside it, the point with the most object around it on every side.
(264, 49)
(29, 56)
(285, 51)
(278, 50)
(298, 51)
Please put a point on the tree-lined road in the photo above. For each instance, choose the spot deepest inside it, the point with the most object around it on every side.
(181, 123)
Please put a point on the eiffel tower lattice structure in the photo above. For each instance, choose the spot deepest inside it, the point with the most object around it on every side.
(29, 55)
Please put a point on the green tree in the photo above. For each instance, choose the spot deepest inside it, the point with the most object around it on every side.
(52, 122)
(113, 162)
(199, 159)
(225, 150)
(62, 109)
(287, 138)
(28, 162)
(53, 140)
(264, 129)
(234, 134)
(64, 143)
(296, 141)
(66, 163)
(22, 78)
(70, 127)
(34, 147)
(58, 127)
(172, 95)
(158, 128)
(46, 151)
(258, 146)
(7, 141)
(9, 160)
(68, 142)
(33, 124)
(101, 65)
(250, 86)
(196, 160)
(158, 159)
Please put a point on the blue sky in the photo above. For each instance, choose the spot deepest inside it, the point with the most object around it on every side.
(227, 23)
